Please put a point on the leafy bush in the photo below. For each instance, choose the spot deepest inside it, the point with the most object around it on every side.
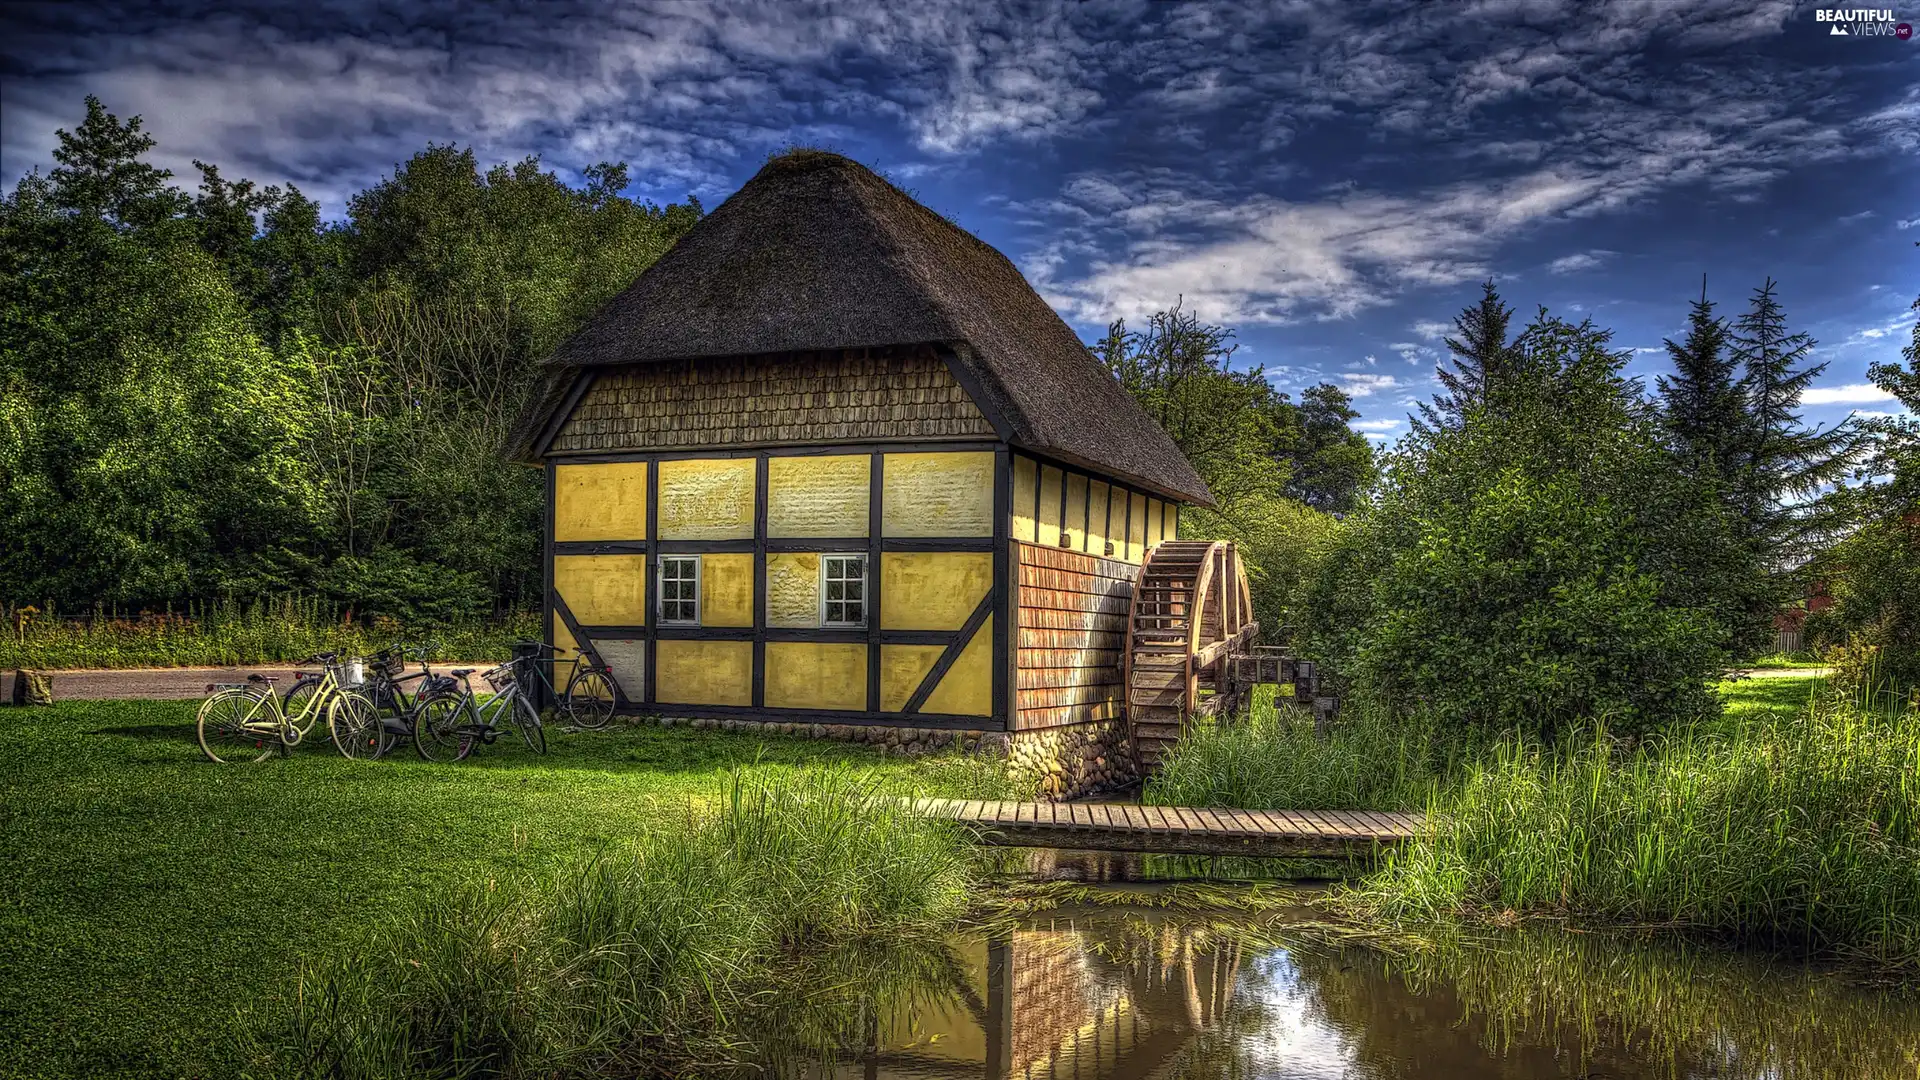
(1872, 631)
(1538, 563)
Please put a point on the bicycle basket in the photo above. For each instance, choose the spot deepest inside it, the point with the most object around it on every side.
(500, 678)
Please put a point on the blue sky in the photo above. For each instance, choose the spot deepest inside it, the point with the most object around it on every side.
(1330, 179)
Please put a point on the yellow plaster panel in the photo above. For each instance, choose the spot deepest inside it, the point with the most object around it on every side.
(1173, 521)
(1049, 531)
(1026, 479)
(1097, 518)
(1156, 519)
(600, 502)
(793, 589)
(1076, 523)
(703, 672)
(818, 496)
(816, 675)
(726, 589)
(563, 641)
(603, 590)
(937, 494)
(932, 590)
(901, 669)
(706, 499)
(1137, 529)
(967, 687)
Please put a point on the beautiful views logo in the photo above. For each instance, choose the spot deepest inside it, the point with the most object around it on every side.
(1862, 22)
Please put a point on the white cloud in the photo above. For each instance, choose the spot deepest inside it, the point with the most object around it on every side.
(1909, 223)
(1361, 384)
(1573, 264)
(1375, 425)
(1432, 330)
(1852, 393)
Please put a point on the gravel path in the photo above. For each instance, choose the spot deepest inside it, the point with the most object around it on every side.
(172, 684)
(1780, 673)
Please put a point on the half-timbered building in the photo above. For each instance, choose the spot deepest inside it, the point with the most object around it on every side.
(833, 461)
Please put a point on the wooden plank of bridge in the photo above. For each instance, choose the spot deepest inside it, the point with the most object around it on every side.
(1177, 829)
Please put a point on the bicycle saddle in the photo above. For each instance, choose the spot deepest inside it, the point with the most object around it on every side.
(461, 673)
(263, 678)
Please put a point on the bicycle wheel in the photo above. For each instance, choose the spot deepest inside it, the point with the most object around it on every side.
(227, 736)
(356, 728)
(298, 703)
(589, 699)
(441, 731)
(527, 719)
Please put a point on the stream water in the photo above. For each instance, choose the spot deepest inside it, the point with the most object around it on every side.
(1100, 992)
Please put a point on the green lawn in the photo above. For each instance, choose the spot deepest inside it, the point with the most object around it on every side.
(149, 895)
(1779, 697)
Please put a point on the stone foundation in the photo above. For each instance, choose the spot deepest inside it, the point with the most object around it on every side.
(1073, 760)
(1065, 762)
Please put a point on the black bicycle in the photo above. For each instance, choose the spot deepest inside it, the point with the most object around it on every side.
(589, 697)
(386, 686)
(448, 724)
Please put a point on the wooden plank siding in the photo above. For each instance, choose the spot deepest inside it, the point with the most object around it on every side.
(1070, 630)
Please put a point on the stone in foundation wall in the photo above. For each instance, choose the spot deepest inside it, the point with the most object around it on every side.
(1056, 763)
(1073, 760)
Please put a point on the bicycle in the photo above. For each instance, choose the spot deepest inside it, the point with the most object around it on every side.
(449, 724)
(386, 688)
(590, 695)
(246, 721)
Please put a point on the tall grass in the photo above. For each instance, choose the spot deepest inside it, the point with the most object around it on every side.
(1802, 834)
(712, 949)
(228, 632)
(1273, 760)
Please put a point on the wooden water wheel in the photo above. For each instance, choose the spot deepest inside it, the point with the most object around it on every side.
(1190, 618)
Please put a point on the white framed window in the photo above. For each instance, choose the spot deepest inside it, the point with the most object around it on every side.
(680, 590)
(843, 590)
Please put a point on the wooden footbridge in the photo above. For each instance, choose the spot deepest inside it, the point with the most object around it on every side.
(1177, 830)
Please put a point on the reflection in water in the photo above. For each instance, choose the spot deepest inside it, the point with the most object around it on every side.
(1104, 995)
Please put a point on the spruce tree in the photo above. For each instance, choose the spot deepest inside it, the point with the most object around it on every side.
(1787, 467)
(1481, 356)
(1704, 403)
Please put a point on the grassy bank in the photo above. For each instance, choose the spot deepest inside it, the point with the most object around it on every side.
(149, 895)
(695, 951)
(1802, 835)
(232, 632)
(1792, 821)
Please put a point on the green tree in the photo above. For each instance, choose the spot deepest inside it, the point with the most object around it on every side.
(1537, 562)
(1482, 355)
(1332, 464)
(1710, 419)
(1873, 574)
(1234, 427)
(1787, 466)
(151, 442)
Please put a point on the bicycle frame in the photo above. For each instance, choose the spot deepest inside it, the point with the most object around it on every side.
(278, 724)
(483, 716)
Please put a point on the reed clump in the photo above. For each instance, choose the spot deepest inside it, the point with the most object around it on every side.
(699, 950)
(1272, 759)
(1800, 834)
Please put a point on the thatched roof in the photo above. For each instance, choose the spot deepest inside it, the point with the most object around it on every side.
(816, 252)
